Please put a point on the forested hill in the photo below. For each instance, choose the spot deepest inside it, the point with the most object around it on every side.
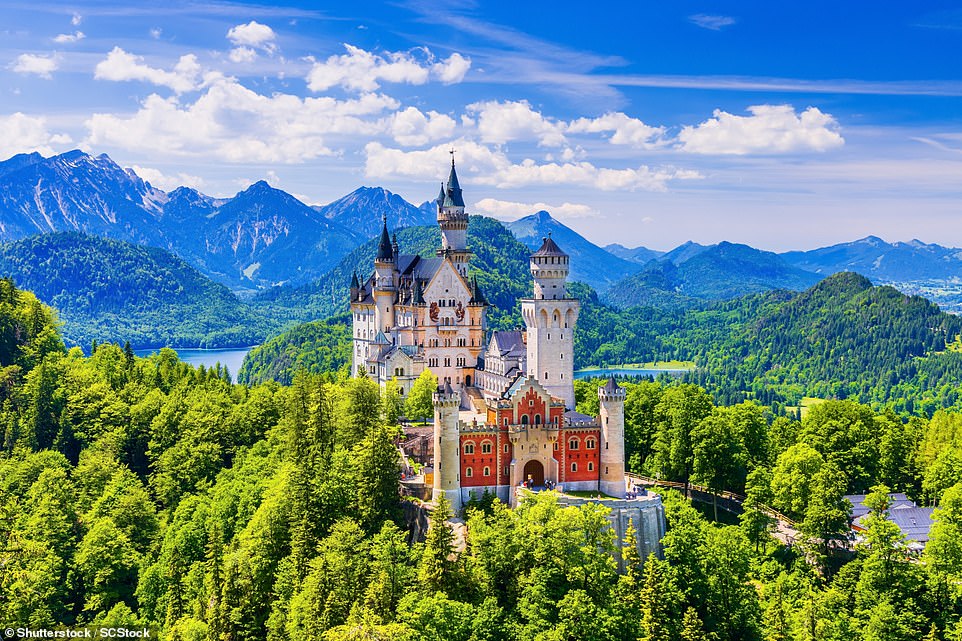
(723, 271)
(841, 338)
(319, 346)
(110, 290)
(500, 264)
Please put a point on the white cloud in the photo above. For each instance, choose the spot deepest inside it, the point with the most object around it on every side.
(508, 210)
(28, 63)
(412, 127)
(493, 167)
(242, 54)
(714, 23)
(501, 122)
(253, 34)
(360, 70)
(20, 133)
(66, 38)
(248, 39)
(451, 70)
(168, 182)
(120, 65)
(624, 129)
(232, 123)
(156, 32)
(76, 19)
(771, 129)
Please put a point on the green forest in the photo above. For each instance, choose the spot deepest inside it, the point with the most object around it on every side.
(145, 492)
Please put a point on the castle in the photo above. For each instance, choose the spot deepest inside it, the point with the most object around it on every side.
(505, 411)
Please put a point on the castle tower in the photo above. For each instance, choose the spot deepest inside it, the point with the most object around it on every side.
(550, 317)
(453, 222)
(447, 446)
(612, 418)
(385, 264)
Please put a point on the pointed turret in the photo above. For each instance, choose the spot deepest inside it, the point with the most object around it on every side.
(453, 197)
(385, 252)
(354, 282)
(453, 222)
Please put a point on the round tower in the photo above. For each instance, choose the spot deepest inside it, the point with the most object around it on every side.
(447, 446)
(453, 222)
(550, 318)
(612, 418)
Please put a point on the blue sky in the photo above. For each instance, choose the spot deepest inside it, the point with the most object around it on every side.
(644, 123)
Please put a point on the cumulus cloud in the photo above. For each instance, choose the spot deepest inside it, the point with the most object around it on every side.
(28, 63)
(501, 122)
(76, 19)
(714, 23)
(452, 69)
(360, 70)
(508, 210)
(624, 130)
(20, 133)
(120, 66)
(412, 127)
(242, 54)
(493, 167)
(67, 38)
(168, 182)
(770, 129)
(250, 37)
(232, 123)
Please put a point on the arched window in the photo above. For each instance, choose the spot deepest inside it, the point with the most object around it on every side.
(524, 419)
(486, 447)
(468, 472)
(591, 466)
(574, 468)
(469, 448)
(590, 444)
(572, 444)
(487, 471)
(537, 419)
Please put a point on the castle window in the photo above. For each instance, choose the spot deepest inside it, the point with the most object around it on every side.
(468, 472)
(606, 469)
(573, 444)
(574, 468)
(486, 448)
(537, 419)
(591, 466)
(556, 446)
(531, 403)
(590, 444)
(506, 445)
(506, 422)
(487, 471)
(506, 471)
(524, 419)
(469, 448)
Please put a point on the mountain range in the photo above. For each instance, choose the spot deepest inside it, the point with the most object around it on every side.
(266, 242)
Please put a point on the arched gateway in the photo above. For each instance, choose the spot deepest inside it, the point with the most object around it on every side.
(535, 470)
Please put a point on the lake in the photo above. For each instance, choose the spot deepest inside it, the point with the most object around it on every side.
(629, 371)
(232, 357)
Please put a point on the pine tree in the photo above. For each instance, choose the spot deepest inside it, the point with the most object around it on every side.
(692, 628)
(437, 570)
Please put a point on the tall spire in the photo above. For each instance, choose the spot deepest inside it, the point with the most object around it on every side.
(385, 252)
(453, 196)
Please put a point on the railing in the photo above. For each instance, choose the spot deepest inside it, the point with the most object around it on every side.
(729, 496)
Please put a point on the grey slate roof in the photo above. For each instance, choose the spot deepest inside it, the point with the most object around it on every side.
(549, 248)
(897, 500)
(914, 522)
(452, 196)
(508, 342)
(611, 387)
(385, 251)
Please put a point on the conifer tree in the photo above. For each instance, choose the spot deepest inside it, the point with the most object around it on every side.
(437, 570)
